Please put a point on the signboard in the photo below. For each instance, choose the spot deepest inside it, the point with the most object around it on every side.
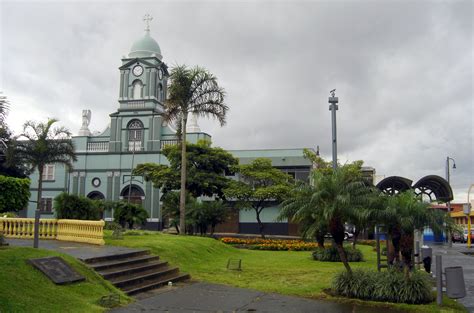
(57, 270)
(466, 207)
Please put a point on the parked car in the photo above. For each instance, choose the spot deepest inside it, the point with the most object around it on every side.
(459, 237)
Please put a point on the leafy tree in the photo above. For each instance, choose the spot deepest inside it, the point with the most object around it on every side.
(170, 207)
(260, 186)
(207, 214)
(41, 145)
(77, 207)
(207, 166)
(9, 164)
(129, 214)
(192, 91)
(14, 192)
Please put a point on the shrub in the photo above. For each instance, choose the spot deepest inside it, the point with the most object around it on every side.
(206, 215)
(129, 213)
(330, 254)
(76, 207)
(388, 286)
(9, 214)
(15, 193)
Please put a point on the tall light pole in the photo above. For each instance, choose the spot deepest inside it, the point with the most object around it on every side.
(450, 241)
(468, 213)
(333, 100)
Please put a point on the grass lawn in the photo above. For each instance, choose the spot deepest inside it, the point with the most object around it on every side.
(25, 289)
(285, 272)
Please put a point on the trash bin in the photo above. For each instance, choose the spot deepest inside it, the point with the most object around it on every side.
(455, 287)
(426, 257)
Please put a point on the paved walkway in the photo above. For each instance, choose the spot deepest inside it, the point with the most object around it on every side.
(205, 297)
(454, 257)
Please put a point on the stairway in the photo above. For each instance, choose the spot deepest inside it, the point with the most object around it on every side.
(135, 271)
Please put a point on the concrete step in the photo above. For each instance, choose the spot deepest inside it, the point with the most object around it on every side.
(121, 262)
(132, 269)
(140, 277)
(148, 285)
(115, 257)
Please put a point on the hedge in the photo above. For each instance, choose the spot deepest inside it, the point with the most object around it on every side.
(15, 193)
(330, 254)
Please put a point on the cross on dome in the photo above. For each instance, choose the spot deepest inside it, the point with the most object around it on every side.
(147, 19)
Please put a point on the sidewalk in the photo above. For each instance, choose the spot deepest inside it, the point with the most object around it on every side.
(205, 297)
(454, 257)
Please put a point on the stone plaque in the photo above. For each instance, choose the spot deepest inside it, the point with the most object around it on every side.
(57, 270)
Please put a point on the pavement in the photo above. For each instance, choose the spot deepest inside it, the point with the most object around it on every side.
(205, 297)
(455, 257)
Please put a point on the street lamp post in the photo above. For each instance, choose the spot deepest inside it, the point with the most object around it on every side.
(468, 213)
(333, 100)
(450, 241)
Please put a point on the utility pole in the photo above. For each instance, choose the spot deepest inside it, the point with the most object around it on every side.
(333, 100)
(450, 240)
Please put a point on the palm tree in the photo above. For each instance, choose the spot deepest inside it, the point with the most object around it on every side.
(4, 105)
(192, 91)
(40, 144)
(334, 199)
(402, 215)
(302, 208)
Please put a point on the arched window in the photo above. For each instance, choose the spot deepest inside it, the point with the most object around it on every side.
(137, 89)
(135, 135)
(160, 92)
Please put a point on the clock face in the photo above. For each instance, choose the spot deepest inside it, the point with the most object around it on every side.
(160, 74)
(96, 182)
(137, 70)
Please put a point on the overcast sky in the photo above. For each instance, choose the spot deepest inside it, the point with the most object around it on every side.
(403, 71)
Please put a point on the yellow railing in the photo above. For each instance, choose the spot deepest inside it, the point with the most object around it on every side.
(67, 230)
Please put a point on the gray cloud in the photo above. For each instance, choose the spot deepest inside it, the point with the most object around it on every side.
(403, 72)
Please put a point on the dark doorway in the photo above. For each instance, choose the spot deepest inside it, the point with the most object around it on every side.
(136, 194)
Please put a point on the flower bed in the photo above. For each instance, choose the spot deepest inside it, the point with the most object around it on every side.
(270, 244)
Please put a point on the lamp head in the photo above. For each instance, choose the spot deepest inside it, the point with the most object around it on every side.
(454, 165)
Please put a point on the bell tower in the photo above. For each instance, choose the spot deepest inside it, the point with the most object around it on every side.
(137, 124)
(143, 75)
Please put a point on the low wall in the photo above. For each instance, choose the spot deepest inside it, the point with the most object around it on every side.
(67, 230)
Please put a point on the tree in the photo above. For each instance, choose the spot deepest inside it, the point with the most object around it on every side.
(332, 202)
(207, 214)
(192, 91)
(76, 207)
(129, 213)
(4, 105)
(301, 208)
(170, 207)
(41, 145)
(14, 192)
(260, 186)
(206, 172)
(402, 214)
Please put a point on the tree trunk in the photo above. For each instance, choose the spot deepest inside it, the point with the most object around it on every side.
(182, 198)
(320, 239)
(342, 255)
(40, 187)
(354, 239)
(260, 224)
(406, 249)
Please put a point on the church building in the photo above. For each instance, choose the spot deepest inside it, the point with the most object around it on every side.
(136, 134)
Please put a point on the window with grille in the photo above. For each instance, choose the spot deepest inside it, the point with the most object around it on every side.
(48, 172)
(46, 205)
(135, 135)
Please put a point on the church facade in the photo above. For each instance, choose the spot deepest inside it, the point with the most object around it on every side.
(136, 134)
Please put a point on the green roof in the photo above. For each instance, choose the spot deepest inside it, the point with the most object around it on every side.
(145, 47)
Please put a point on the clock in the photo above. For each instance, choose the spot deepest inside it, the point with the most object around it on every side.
(160, 74)
(96, 182)
(137, 70)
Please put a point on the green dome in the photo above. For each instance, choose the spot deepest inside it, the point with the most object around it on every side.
(145, 47)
